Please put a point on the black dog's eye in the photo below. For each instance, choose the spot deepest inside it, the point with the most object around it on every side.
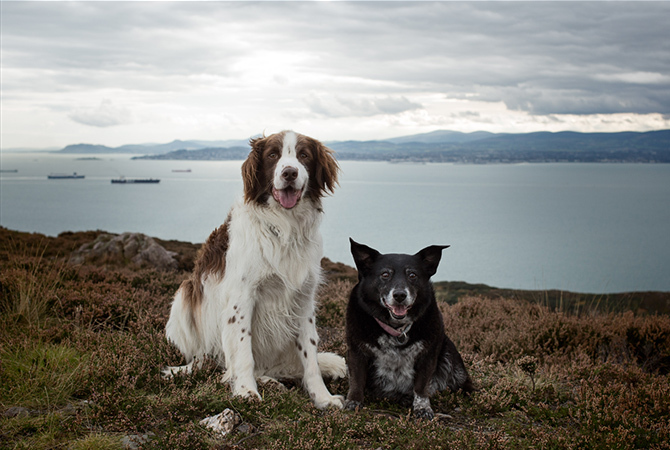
(411, 276)
(386, 275)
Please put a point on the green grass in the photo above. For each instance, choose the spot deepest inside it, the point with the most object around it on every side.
(83, 371)
(39, 375)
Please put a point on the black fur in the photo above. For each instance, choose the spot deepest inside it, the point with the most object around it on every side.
(396, 290)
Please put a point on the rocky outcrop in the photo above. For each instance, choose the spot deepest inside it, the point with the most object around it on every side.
(127, 248)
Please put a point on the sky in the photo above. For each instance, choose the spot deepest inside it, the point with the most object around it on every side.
(115, 73)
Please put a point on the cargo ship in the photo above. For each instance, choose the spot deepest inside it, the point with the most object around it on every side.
(124, 180)
(65, 176)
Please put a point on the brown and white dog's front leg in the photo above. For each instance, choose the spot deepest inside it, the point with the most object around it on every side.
(237, 345)
(306, 346)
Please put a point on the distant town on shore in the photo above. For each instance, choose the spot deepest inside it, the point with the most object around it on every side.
(438, 146)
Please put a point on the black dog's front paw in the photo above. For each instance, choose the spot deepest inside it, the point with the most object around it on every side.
(353, 405)
(421, 408)
(424, 413)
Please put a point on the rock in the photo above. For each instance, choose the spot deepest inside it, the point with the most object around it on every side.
(222, 423)
(246, 428)
(134, 441)
(135, 248)
(17, 411)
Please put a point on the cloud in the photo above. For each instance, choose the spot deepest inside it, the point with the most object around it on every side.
(270, 62)
(339, 106)
(104, 115)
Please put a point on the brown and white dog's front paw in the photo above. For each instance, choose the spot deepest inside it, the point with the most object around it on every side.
(328, 401)
(246, 390)
(248, 393)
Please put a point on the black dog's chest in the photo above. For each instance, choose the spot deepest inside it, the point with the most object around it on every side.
(393, 366)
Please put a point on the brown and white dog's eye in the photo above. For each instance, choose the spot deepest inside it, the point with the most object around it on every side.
(304, 156)
(273, 155)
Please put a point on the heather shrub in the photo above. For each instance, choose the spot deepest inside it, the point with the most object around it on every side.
(80, 368)
(510, 329)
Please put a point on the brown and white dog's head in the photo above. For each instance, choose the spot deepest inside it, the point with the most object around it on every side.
(287, 167)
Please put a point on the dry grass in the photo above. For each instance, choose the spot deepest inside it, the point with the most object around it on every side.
(82, 370)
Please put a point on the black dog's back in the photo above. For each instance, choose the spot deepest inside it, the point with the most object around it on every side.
(395, 332)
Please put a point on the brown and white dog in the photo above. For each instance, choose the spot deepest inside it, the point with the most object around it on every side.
(250, 300)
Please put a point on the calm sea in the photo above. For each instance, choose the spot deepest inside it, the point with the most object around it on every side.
(580, 227)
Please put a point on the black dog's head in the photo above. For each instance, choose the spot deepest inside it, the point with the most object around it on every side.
(395, 285)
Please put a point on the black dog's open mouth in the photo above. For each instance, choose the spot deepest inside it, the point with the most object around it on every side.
(398, 312)
(287, 197)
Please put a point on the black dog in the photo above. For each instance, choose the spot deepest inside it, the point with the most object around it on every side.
(397, 345)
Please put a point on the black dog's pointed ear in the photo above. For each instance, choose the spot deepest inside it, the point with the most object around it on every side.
(364, 257)
(431, 257)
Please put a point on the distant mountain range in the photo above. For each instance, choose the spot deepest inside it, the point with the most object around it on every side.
(440, 146)
(154, 149)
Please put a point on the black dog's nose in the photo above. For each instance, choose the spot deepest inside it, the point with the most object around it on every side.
(399, 296)
(289, 173)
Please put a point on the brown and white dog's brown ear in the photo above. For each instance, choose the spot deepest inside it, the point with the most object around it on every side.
(325, 169)
(251, 170)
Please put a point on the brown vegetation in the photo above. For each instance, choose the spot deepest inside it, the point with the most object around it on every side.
(81, 347)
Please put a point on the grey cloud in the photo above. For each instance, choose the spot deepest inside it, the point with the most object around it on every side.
(337, 106)
(540, 57)
(104, 115)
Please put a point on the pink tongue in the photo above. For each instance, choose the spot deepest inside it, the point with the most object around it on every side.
(286, 197)
(399, 310)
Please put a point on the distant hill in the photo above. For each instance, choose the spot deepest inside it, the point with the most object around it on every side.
(442, 136)
(147, 149)
(440, 146)
(653, 146)
(87, 148)
(205, 154)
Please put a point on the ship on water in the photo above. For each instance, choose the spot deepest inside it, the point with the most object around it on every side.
(65, 176)
(124, 180)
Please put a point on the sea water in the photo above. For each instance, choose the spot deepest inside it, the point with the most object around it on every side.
(578, 227)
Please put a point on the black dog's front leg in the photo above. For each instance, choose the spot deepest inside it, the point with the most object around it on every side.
(424, 370)
(358, 372)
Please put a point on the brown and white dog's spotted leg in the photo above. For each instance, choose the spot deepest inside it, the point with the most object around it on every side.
(237, 345)
(306, 346)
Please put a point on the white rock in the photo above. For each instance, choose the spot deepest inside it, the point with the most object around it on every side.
(222, 423)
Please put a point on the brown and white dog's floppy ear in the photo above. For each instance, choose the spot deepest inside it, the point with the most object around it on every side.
(251, 170)
(325, 167)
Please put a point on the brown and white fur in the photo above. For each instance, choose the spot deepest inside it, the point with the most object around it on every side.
(250, 302)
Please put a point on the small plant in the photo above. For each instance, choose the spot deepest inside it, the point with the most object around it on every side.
(528, 364)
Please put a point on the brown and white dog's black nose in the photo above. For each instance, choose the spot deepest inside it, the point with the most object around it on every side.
(289, 174)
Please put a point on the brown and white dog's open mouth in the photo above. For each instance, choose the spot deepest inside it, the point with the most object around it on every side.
(287, 197)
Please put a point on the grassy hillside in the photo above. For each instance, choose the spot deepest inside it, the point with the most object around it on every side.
(81, 348)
